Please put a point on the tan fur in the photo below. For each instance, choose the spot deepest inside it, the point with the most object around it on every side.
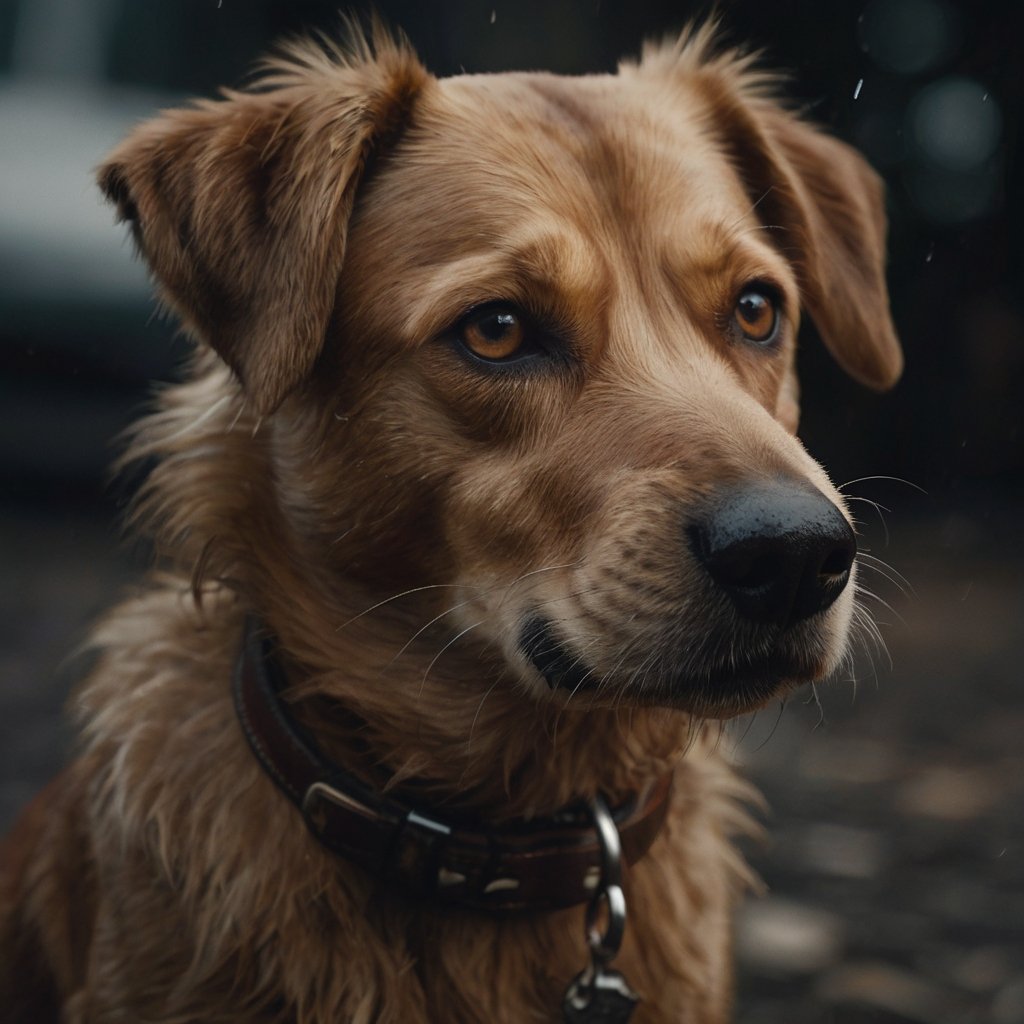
(392, 513)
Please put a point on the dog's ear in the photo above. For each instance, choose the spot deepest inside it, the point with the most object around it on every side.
(241, 205)
(833, 204)
(824, 205)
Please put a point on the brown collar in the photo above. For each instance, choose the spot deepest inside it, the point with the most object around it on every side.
(539, 864)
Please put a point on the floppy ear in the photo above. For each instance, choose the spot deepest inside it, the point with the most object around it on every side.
(824, 204)
(833, 204)
(241, 205)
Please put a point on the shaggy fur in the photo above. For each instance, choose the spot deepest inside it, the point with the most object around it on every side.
(393, 509)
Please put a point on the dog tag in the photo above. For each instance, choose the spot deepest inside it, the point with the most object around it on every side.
(599, 995)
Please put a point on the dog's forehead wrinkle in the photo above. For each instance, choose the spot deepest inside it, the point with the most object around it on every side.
(597, 130)
(532, 99)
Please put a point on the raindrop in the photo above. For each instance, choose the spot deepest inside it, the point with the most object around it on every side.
(858, 87)
(494, 17)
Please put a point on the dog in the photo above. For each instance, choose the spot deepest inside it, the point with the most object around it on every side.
(479, 508)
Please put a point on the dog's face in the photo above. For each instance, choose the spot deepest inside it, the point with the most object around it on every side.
(541, 352)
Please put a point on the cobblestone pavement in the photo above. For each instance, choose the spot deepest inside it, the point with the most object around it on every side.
(895, 888)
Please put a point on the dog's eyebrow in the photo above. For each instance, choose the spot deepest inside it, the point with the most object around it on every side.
(552, 268)
(726, 252)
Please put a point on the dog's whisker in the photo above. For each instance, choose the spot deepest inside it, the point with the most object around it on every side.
(344, 533)
(753, 206)
(865, 479)
(815, 698)
(399, 596)
(887, 570)
(751, 719)
(851, 668)
(437, 618)
(873, 633)
(861, 590)
(861, 613)
(238, 415)
(693, 733)
(625, 650)
(509, 587)
(899, 584)
(870, 647)
(879, 510)
(583, 679)
(472, 725)
(721, 728)
(543, 569)
(760, 227)
(869, 631)
(572, 595)
(454, 640)
(578, 660)
(640, 674)
(761, 198)
(877, 505)
(775, 725)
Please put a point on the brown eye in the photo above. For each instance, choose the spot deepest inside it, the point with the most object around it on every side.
(494, 333)
(757, 314)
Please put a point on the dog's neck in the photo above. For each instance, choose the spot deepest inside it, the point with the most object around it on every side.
(457, 729)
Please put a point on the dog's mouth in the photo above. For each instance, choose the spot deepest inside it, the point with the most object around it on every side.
(716, 690)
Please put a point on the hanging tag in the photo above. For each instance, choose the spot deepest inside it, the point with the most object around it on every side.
(599, 995)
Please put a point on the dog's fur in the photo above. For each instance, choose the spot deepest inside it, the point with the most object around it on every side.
(337, 464)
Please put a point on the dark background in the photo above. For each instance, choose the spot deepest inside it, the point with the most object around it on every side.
(897, 890)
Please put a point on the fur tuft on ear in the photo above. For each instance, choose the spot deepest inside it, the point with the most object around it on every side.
(825, 205)
(241, 205)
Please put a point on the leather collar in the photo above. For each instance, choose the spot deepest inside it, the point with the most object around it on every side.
(539, 864)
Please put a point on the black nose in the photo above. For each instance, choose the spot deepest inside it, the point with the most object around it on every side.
(781, 551)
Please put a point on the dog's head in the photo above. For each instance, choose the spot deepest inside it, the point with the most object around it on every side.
(532, 337)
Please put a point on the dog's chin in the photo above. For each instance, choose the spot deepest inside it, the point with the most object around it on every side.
(715, 691)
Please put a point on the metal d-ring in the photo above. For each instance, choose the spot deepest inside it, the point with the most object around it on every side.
(605, 945)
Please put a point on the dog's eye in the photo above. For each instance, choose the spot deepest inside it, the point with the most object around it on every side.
(757, 314)
(496, 333)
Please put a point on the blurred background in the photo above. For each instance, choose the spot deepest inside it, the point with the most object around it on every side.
(894, 875)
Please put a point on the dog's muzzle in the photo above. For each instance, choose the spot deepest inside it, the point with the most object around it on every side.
(770, 556)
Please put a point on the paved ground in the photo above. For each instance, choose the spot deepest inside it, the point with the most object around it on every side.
(895, 866)
(894, 869)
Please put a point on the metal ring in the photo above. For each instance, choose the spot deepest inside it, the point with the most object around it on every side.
(608, 837)
(604, 947)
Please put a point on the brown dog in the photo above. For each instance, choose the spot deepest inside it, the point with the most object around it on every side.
(492, 433)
